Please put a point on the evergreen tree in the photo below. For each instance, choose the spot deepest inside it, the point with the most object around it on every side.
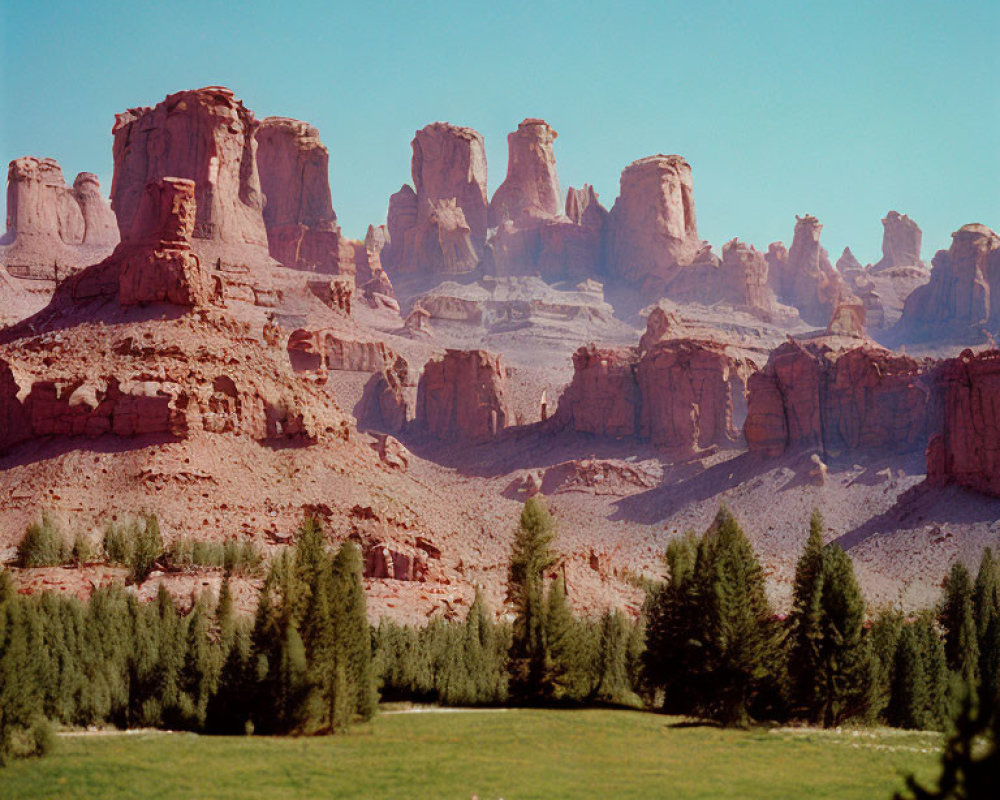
(958, 620)
(883, 638)
(806, 625)
(738, 648)
(531, 557)
(561, 643)
(354, 694)
(986, 593)
(844, 666)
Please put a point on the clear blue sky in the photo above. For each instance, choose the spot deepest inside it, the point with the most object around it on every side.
(840, 109)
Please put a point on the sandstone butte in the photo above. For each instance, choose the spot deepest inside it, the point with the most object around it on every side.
(53, 229)
(174, 342)
(652, 229)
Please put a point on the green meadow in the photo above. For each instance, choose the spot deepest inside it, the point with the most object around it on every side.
(513, 754)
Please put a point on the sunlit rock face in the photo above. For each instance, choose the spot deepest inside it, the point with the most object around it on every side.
(209, 137)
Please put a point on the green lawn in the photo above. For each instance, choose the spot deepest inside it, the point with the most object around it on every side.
(511, 754)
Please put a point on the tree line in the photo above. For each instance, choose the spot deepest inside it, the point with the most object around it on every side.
(708, 644)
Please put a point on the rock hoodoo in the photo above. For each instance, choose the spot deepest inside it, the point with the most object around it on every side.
(741, 279)
(302, 229)
(462, 396)
(901, 238)
(652, 227)
(441, 226)
(959, 299)
(208, 136)
(812, 396)
(52, 228)
(804, 277)
(531, 190)
(966, 419)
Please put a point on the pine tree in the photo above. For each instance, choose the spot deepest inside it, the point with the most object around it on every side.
(531, 557)
(908, 697)
(958, 621)
(354, 696)
(883, 638)
(986, 609)
(844, 668)
(561, 643)
(806, 625)
(738, 649)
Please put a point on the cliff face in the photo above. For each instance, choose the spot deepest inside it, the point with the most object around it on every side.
(462, 396)
(965, 448)
(815, 397)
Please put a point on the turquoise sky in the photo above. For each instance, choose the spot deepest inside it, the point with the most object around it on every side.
(843, 110)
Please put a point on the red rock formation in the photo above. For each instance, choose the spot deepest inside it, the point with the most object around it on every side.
(462, 396)
(848, 263)
(205, 135)
(530, 193)
(810, 396)
(652, 228)
(53, 229)
(958, 300)
(302, 229)
(848, 317)
(693, 394)
(440, 227)
(661, 325)
(100, 228)
(741, 279)
(901, 238)
(385, 403)
(805, 278)
(155, 262)
(603, 397)
(573, 248)
(680, 393)
(966, 417)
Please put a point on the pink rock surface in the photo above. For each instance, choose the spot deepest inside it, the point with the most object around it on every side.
(966, 417)
(462, 396)
(741, 278)
(208, 136)
(302, 229)
(804, 277)
(652, 227)
(901, 238)
(53, 229)
(530, 192)
(959, 299)
(812, 396)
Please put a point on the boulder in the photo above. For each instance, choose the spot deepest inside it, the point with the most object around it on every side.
(965, 448)
(901, 238)
(812, 396)
(209, 137)
(462, 396)
(302, 229)
(660, 324)
(804, 277)
(958, 300)
(53, 229)
(652, 230)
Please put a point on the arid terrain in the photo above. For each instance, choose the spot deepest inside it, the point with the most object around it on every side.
(211, 348)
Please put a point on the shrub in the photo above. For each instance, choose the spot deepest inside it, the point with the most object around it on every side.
(43, 545)
(136, 545)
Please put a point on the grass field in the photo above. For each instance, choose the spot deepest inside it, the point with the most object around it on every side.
(514, 754)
